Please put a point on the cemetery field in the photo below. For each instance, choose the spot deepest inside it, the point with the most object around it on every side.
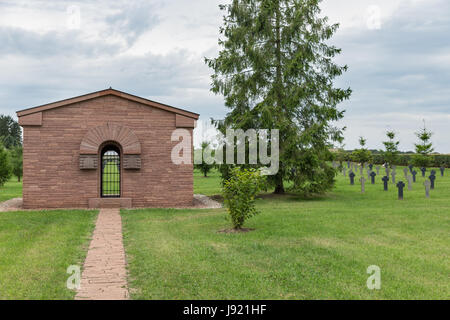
(316, 248)
(37, 247)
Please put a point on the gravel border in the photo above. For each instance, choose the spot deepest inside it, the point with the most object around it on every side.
(200, 202)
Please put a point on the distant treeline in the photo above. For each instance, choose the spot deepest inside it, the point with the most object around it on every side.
(404, 159)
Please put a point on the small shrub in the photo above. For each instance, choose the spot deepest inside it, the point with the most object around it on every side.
(239, 193)
(5, 168)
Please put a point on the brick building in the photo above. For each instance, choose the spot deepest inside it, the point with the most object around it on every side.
(103, 149)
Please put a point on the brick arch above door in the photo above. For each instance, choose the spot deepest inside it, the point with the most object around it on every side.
(96, 137)
(122, 135)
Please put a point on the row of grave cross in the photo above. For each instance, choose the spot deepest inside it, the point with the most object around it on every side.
(429, 184)
(354, 167)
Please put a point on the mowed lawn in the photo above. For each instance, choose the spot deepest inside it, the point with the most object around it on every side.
(36, 248)
(11, 189)
(301, 248)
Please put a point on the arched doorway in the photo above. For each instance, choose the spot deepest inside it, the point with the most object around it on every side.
(110, 173)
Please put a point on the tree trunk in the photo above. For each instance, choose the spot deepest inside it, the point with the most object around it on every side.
(18, 178)
(279, 187)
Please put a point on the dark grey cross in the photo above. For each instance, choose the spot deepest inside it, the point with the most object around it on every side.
(409, 182)
(410, 168)
(378, 170)
(414, 173)
(433, 172)
(427, 185)
(400, 186)
(371, 167)
(393, 174)
(385, 180)
(432, 178)
(348, 164)
(372, 176)
(442, 171)
(405, 171)
(352, 177)
(423, 171)
(363, 184)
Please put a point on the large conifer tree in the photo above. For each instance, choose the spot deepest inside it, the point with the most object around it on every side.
(276, 71)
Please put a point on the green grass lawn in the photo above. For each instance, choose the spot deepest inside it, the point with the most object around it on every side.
(11, 189)
(301, 249)
(210, 185)
(36, 248)
(111, 179)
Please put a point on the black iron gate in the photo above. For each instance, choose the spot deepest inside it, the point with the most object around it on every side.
(110, 175)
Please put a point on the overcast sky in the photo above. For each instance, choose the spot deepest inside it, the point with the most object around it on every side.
(398, 53)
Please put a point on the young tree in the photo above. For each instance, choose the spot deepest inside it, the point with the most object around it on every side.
(391, 146)
(239, 193)
(10, 132)
(5, 169)
(362, 155)
(276, 71)
(204, 167)
(424, 148)
(17, 161)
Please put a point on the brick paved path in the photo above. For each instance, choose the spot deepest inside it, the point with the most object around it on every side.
(104, 275)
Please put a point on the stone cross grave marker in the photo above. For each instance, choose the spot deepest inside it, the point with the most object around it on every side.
(423, 171)
(371, 167)
(348, 164)
(400, 186)
(378, 170)
(405, 171)
(442, 171)
(411, 168)
(432, 178)
(368, 174)
(344, 171)
(427, 185)
(433, 172)
(410, 182)
(393, 174)
(352, 177)
(387, 170)
(372, 176)
(385, 181)
(414, 173)
(363, 184)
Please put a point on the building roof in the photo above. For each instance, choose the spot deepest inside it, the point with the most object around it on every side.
(103, 93)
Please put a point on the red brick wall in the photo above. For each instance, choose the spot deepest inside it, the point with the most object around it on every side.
(52, 177)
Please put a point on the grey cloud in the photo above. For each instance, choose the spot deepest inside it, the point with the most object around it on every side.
(397, 68)
(17, 41)
(133, 19)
